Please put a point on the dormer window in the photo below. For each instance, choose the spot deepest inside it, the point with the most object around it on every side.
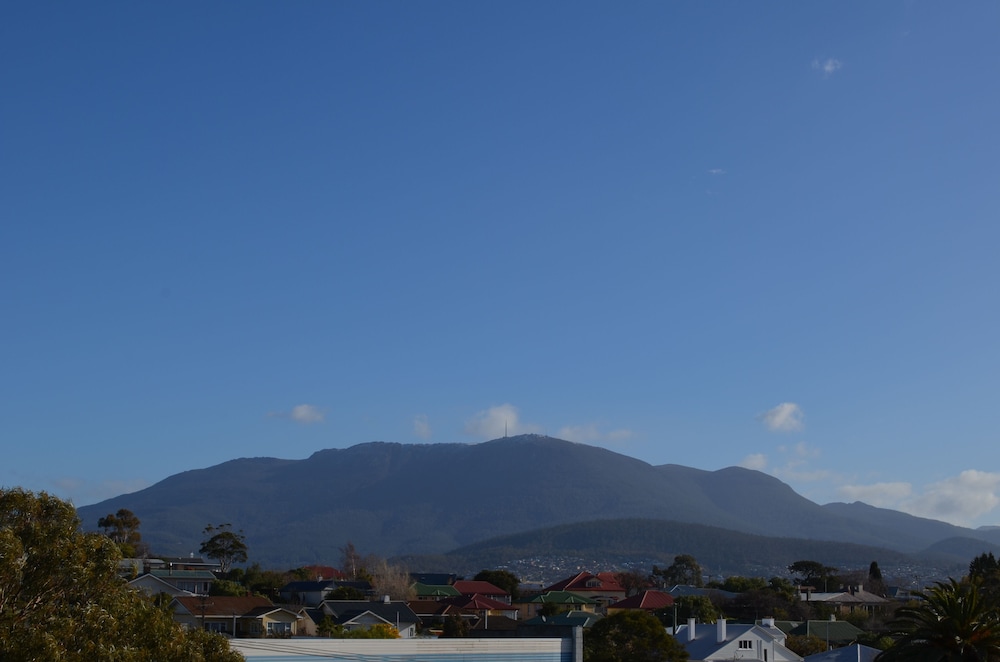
(594, 582)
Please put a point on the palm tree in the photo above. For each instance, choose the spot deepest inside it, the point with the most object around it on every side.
(952, 623)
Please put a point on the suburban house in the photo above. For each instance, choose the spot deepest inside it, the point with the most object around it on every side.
(725, 642)
(602, 587)
(361, 614)
(183, 582)
(236, 616)
(312, 593)
(470, 587)
(152, 586)
(556, 601)
(650, 601)
(833, 632)
(855, 598)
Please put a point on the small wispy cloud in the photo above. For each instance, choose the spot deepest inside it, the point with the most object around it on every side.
(786, 417)
(302, 414)
(496, 421)
(756, 461)
(716, 171)
(828, 66)
(422, 426)
(959, 499)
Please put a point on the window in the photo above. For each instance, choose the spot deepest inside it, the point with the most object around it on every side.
(746, 644)
(279, 628)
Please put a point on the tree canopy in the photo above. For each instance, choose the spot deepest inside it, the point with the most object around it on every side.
(631, 636)
(61, 599)
(224, 545)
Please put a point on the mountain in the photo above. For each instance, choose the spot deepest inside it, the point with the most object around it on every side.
(400, 499)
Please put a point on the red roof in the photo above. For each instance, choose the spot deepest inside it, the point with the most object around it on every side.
(479, 603)
(471, 587)
(587, 582)
(645, 600)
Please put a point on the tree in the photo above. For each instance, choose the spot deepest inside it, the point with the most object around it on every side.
(123, 528)
(391, 580)
(875, 582)
(631, 636)
(224, 545)
(632, 581)
(684, 571)
(454, 627)
(504, 579)
(815, 574)
(805, 644)
(350, 561)
(61, 597)
(952, 623)
(696, 606)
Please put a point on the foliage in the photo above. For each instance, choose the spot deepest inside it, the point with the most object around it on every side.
(262, 582)
(805, 644)
(875, 583)
(504, 579)
(454, 627)
(815, 574)
(346, 593)
(227, 587)
(61, 599)
(224, 545)
(632, 581)
(985, 571)
(327, 628)
(123, 528)
(631, 636)
(684, 571)
(696, 606)
(391, 580)
(351, 563)
(950, 623)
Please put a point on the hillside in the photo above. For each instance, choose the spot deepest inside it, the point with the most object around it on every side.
(395, 499)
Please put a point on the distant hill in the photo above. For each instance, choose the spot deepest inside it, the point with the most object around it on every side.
(405, 499)
(720, 552)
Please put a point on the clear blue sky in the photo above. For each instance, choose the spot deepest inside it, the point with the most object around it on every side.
(703, 233)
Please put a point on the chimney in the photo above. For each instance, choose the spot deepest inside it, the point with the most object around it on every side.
(767, 622)
(720, 630)
(385, 599)
(691, 623)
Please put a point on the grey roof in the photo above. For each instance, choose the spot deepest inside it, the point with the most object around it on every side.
(393, 612)
(705, 644)
(852, 653)
(681, 590)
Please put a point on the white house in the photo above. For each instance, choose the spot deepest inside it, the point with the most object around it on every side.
(725, 642)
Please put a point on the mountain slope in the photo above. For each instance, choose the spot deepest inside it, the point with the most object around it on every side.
(395, 499)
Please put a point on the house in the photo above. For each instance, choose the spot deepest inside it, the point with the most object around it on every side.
(245, 616)
(482, 606)
(312, 593)
(184, 582)
(556, 601)
(855, 598)
(835, 633)
(435, 591)
(602, 587)
(468, 588)
(650, 601)
(152, 586)
(361, 614)
(724, 642)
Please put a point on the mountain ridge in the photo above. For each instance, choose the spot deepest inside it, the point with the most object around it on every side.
(412, 499)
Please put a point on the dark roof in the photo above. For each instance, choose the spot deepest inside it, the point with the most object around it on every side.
(393, 612)
(572, 618)
(433, 577)
(478, 603)
(307, 586)
(223, 605)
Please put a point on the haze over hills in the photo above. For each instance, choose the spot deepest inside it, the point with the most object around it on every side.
(403, 499)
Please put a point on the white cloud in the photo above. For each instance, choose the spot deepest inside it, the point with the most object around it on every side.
(307, 414)
(422, 426)
(716, 171)
(496, 421)
(757, 462)
(786, 417)
(591, 433)
(304, 414)
(827, 66)
(958, 500)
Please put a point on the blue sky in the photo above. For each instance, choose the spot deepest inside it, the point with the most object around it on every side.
(705, 233)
